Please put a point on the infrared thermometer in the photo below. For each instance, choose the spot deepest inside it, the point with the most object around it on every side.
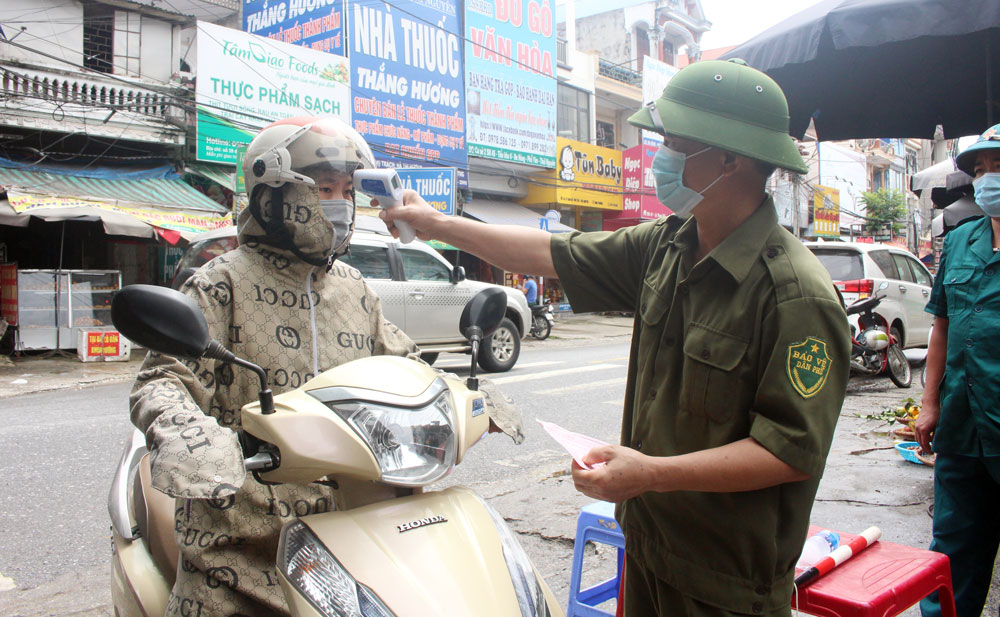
(384, 185)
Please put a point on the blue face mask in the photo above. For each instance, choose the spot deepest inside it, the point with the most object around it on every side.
(987, 193)
(668, 171)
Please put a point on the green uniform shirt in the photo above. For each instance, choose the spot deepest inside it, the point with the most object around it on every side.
(967, 292)
(751, 341)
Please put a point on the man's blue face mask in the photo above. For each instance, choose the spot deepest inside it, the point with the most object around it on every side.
(668, 171)
(987, 193)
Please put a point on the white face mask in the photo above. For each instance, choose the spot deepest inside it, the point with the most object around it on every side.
(340, 212)
(668, 170)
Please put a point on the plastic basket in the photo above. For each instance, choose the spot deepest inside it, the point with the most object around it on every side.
(905, 450)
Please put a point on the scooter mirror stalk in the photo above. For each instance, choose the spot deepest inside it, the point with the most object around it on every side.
(480, 318)
(166, 321)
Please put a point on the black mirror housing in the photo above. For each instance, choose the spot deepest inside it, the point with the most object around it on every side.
(484, 311)
(161, 319)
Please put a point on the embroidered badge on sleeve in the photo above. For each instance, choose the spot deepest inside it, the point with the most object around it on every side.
(808, 366)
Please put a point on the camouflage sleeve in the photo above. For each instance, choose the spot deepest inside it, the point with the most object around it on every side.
(389, 339)
(191, 455)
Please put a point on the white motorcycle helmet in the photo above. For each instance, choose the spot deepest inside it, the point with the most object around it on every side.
(301, 150)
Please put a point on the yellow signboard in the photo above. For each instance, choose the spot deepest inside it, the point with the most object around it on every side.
(167, 219)
(585, 175)
(826, 211)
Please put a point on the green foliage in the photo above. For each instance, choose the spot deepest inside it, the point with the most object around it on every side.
(885, 210)
(890, 414)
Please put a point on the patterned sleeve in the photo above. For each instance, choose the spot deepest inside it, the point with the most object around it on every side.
(192, 456)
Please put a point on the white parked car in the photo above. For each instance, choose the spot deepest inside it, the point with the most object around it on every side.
(858, 270)
(421, 292)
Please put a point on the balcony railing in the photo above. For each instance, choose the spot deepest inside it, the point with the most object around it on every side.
(619, 73)
(49, 99)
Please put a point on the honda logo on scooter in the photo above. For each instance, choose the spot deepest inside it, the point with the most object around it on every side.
(423, 522)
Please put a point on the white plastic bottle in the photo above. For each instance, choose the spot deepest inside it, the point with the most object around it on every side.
(818, 547)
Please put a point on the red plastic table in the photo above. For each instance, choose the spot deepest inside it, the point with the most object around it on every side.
(882, 581)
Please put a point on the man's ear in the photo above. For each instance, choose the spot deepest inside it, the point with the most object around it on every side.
(731, 163)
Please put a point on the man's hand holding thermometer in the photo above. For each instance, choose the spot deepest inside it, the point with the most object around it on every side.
(384, 185)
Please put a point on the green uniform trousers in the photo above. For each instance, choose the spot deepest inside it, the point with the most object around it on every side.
(966, 529)
(646, 595)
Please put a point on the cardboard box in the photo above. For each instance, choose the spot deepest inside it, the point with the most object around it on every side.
(105, 345)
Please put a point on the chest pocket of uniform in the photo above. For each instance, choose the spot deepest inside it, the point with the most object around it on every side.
(711, 359)
(651, 306)
(957, 290)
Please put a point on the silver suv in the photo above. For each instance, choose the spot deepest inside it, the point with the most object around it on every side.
(858, 269)
(421, 292)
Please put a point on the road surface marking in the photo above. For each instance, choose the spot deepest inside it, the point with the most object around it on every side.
(611, 359)
(6, 584)
(546, 374)
(516, 366)
(590, 384)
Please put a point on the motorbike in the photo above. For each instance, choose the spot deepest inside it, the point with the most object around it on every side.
(382, 428)
(875, 350)
(541, 321)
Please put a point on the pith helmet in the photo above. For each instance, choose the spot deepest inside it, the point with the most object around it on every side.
(728, 105)
(987, 141)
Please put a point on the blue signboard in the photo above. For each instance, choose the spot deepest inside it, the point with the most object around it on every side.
(317, 24)
(436, 185)
(407, 82)
(510, 59)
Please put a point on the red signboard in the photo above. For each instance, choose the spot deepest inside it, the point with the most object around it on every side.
(640, 202)
(103, 343)
(8, 293)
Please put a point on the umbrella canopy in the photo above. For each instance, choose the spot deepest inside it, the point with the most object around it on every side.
(950, 217)
(885, 68)
(944, 180)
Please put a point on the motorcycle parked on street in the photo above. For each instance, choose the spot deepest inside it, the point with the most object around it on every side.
(875, 350)
(382, 428)
(541, 321)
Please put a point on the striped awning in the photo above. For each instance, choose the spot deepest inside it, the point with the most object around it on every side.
(140, 207)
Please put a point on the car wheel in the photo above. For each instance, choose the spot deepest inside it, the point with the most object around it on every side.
(429, 358)
(499, 352)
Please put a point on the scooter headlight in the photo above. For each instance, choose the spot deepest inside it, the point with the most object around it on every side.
(318, 576)
(527, 587)
(413, 439)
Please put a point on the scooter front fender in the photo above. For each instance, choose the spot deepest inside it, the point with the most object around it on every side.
(434, 554)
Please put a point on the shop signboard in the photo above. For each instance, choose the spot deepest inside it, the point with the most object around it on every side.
(316, 24)
(435, 184)
(639, 202)
(510, 59)
(246, 81)
(587, 175)
(167, 219)
(656, 75)
(826, 211)
(8, 293)
(408, 92)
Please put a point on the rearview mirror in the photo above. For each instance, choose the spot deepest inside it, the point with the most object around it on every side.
(161, 320)
(484, 311)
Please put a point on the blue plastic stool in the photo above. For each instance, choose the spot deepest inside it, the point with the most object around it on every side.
(596, 523)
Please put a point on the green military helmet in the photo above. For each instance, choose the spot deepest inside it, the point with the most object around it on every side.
(989, 140)
(726, 104)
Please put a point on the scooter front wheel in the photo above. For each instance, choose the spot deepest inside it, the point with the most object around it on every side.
(898, 366)
(540, 327)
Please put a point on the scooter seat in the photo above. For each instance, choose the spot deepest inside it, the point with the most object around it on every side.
(154, 514)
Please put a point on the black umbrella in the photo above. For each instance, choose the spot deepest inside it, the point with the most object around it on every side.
(945, 181)
(885, 68)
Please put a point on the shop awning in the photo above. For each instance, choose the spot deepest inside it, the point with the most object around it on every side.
(506, 213)
(220, 174)
(141, 207)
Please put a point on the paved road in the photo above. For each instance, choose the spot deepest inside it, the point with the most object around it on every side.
(56, 545)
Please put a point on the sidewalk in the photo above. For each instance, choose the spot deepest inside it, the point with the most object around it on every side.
(36, 372)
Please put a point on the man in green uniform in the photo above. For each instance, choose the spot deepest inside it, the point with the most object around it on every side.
(960, 412)
(740, 351)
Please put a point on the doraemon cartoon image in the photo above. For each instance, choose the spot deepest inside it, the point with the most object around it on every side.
(567, 160)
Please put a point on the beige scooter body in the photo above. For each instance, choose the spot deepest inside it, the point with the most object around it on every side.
(435, 553)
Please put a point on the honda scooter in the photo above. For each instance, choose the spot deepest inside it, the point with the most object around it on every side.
(541, 321)
(383, 428)
(874, 348)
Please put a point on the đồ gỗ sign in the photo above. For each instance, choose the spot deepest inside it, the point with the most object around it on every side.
(585, 175)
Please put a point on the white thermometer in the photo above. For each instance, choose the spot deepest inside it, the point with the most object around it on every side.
(384, 185)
